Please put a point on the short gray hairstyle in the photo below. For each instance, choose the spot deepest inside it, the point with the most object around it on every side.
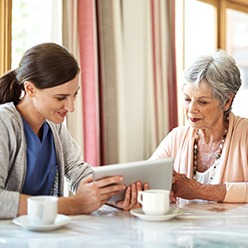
(220, 71)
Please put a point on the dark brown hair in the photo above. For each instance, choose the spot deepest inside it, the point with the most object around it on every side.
(46, 65)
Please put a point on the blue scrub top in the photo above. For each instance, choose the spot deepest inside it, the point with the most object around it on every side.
(41, 161)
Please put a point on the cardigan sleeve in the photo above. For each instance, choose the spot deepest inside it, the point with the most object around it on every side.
(72, 165)
(236, 192)
(235, 161)
(12, 161)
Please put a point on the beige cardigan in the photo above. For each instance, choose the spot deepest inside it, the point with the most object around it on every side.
(233, 162)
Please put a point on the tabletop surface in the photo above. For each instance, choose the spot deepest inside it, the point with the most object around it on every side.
(201, 224)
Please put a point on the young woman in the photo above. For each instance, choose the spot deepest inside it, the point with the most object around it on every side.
(36, 149)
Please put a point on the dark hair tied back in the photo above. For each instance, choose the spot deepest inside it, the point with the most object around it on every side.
(10, 89)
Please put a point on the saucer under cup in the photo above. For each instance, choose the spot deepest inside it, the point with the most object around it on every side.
(172, 213)
(60, 221)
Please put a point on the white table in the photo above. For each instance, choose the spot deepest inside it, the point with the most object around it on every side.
(201, 225)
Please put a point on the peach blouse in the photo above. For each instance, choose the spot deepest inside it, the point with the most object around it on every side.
(233, 165)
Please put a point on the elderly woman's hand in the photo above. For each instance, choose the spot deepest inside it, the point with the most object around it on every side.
(184, 187)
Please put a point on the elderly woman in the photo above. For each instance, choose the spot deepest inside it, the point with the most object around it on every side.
(211, 152)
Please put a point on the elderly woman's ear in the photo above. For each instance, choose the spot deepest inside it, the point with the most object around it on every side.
(229, 102)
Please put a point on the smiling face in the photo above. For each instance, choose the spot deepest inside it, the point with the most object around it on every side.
(202, 109)
(53, 103)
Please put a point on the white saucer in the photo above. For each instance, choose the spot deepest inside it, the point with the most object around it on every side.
(60, 221)
(173, 212)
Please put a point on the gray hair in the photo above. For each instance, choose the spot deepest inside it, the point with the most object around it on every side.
(220, 71)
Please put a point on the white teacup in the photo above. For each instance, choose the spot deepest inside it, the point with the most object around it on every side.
(42, 210)
(154, 201)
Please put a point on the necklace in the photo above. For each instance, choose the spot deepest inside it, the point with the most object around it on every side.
(217, 155)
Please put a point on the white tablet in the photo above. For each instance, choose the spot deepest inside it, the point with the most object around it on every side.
(158, 173)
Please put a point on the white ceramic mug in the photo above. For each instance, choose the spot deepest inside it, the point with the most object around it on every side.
(42, 210)
(154, 201)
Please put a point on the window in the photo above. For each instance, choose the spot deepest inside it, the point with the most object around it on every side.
(217, 24)
(34, 22)
(200, 30)
(237, 45)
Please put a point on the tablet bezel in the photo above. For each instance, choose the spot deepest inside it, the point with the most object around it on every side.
(158, 173)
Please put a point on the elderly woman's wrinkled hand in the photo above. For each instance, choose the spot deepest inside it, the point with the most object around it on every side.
(184, 187)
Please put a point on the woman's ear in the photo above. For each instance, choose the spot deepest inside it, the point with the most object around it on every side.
(229, 102)
(29, 88)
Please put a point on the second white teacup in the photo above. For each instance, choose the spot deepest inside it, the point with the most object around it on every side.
(154, 201)
(42, 210)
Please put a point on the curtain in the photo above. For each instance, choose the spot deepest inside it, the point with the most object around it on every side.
(70, 39)
(89, 74)
(129, 93)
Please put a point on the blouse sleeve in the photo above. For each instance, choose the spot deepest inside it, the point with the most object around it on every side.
(167, 146)
(236, 192)
(235, 163)
(162, 150)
